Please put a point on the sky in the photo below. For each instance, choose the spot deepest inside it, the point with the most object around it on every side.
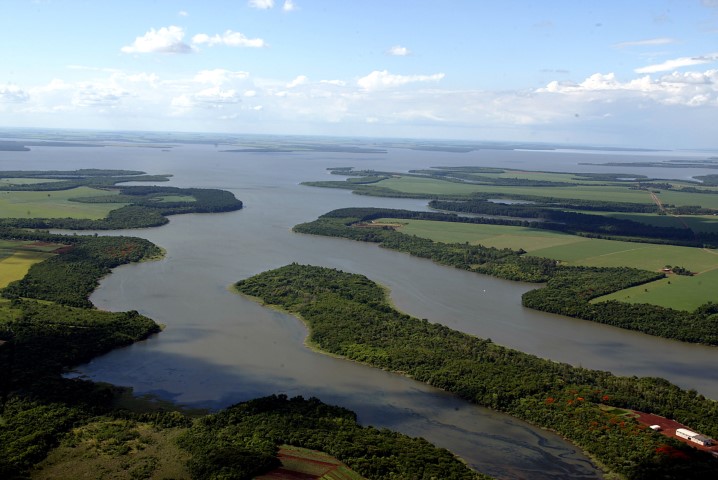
(641, 73)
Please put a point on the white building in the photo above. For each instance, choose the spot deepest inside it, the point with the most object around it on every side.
(694, 437)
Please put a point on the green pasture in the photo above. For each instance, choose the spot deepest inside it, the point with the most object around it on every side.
(498, 236)
(682, 292)
(585, 192)
(54, 204)
(432, 186)
(676, 197)
(676, 291)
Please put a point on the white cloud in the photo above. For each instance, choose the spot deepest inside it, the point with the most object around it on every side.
(651, 42)
(250, 93)
(91, 95)
(219, 76)
(164, 40)
(688, 89)
(289, 6)
(398, 51)
(300, 80)
(183, 13)
(13, 94)
(678, 63)
(230, 39)
(261, 4)
(383, 79)
(336, 83)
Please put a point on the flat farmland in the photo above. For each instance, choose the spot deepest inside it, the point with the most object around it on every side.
(16, 258)
(676, 291)
(587, 191)
(431, 186)
(681, 292)
(54, 204)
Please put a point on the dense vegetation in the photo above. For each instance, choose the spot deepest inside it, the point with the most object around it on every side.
(242, 441)
(348, 315)
(146, 206)
(69, 277)
(569, 289)
(47, 324)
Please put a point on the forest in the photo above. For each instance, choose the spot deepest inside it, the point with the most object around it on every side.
(568, 291)
(348, 315)
(48, 325)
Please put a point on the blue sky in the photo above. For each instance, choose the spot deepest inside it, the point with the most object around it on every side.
(629, 73)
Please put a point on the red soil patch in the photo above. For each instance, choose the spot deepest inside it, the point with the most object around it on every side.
(669, 427)
(318, 468)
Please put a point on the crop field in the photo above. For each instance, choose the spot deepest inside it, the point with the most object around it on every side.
(432, 186)
(17, 257)
(587, 192)
(683, 292)
(54, 204)
(305, 464)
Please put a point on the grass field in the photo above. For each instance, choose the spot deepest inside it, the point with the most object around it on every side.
(682, 292)
(54, 204)
(303, 464)
(16, 258)
(432, 186)
(587, 192)
(679, 292)
(116, 449)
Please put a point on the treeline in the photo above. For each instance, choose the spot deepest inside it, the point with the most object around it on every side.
(41, 335)
(241, 442)
(146, 209)
(69, 179)
(568, 290)
(582, 223)
(348, 315)
(69, 277)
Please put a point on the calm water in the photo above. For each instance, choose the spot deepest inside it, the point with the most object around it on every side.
(219, 348)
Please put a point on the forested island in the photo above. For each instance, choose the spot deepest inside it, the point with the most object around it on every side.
(348, 315)
(52, 426)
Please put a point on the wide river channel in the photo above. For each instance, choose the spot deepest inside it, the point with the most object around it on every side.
(219, 348)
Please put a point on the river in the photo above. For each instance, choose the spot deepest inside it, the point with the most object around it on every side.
(219, 348)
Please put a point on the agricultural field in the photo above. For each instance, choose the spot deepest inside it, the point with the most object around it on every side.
(16, 258)
(55, 204)
(586, 191)
(431, 186)
(676, 291)
(681, 292)
(303, 464)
